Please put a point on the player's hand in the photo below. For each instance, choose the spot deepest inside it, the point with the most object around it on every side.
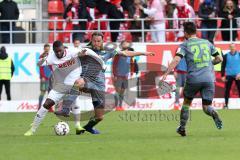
(150, 54)
(82, 53)
(223, 79)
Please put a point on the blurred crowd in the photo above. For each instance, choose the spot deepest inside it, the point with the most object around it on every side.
(154, 12)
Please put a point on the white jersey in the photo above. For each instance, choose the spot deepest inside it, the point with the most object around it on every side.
(66, 70)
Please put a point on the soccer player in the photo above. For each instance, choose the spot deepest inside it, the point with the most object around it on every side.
(98, 82)
(200, 74)
(66, 75)
(121, 68)
(45, 73)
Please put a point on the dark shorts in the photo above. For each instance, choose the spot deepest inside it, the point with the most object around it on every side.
(121, 83)
(206, 90)
(181, 79)
(44, 85)
(94, 78)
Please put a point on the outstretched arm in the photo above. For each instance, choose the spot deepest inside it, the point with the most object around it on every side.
(133, 53)
(171, 66)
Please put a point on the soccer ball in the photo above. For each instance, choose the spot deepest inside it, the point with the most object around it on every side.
(61, 128)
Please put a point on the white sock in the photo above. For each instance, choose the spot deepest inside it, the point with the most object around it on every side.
(76, 113)
(42, 112)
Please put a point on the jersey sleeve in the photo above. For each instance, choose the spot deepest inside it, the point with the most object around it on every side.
(74, 52)
(48, 60)
(113, 53)
(213, 50)
(180, 52)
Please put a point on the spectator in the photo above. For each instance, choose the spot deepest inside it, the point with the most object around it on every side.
(45, 74)
(170, 7)
(231, 67)
(8, 11)
(78, 10)
(113, 13)
(135, 12)
(156, 13)
(208, 10)
(220, 3)
(182, 10)
(6, 72)
(229, 12)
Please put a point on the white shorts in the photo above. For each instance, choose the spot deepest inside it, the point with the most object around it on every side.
(55, 96)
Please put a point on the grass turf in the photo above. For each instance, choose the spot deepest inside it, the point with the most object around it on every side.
(125, 135)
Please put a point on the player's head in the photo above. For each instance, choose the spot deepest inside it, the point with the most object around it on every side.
(76, 42)
(232, 48)
(97, 40)
(125, 45)
(46, 48)
(58, 49)
(189, 29)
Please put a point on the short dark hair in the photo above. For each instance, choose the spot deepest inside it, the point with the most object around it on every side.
(97, 34)
(189, 28)
(57, 44)
(76, 39)
(46, 45)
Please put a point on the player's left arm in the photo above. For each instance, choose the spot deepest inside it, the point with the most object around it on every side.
(134, 53)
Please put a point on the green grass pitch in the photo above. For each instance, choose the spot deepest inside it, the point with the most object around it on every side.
(131, 135)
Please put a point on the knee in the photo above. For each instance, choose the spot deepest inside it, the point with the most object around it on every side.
(48, 103)
(204, 108)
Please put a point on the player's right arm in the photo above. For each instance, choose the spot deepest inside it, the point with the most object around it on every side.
(41, 61)
(179, 55)
(45, 59)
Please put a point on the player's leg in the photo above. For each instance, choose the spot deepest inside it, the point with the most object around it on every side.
(122, 91)
(117, 85)
(42, 92)
(120, 86)
(238, 86)
(1, 85)
(180, 81)
(228, 85)
(52, 99)
(70, 98)
(40, 98)
(189, 92)
(76, 113)
(207, 94)
(7, 89)
(99, 115)
(98, 103)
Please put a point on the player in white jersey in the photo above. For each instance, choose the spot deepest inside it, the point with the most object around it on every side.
(66, 75)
